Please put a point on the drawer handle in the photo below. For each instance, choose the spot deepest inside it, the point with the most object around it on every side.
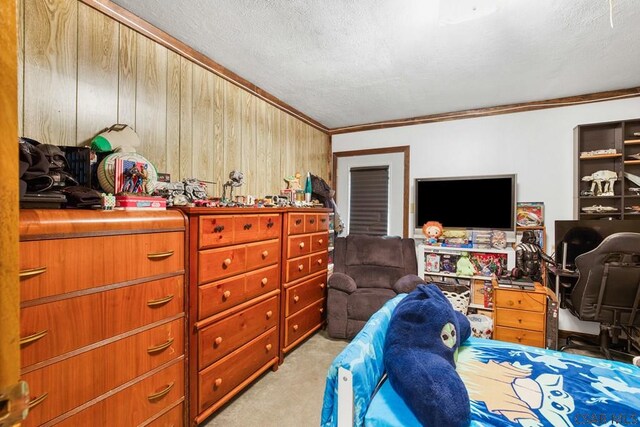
(247, 226)
(38, 400)
(301, 245)
(217, 383)
(227, 262)
(519, 320)
(269, 314)
(32, 272)
(162, 393)
(217, 341)
(265, 254)
(270, 223)
(33, 338)
(268, 347)
(312, 221)
(218, 228)
(159, 348)
(159, 301)
(519, 302)
(160, 255)
(295, 327)
(264, 281)
(320, 241)
(300, 267)
(322, 285)
(323, 219)
(319, 262)
(298, 221)
(519, 339)
(321, 309)
(226, 294)
(510, 302)
(296, 298)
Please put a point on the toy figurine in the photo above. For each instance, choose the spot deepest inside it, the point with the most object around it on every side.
(529, 257)
(602, 182)
(236, 179)
(432, 230)
(464, 266)
(293, 182)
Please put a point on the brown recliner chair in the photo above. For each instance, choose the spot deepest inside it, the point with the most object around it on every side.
(368, 271)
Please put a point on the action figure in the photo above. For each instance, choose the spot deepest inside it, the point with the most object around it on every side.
(529, 257)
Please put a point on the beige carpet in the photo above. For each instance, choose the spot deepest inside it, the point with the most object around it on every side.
(292, 396)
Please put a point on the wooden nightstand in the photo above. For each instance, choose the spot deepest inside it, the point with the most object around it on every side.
(520, 316)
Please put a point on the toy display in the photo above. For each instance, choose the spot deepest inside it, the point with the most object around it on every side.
(456, 238)
(487, 264)
(529, 214)
(602, 182)
(293, 182)
(529, 257)
(464, 266)
(432, 230)
(633, 178)
(498, 239)
(448, 263)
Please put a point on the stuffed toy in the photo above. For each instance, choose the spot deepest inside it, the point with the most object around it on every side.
(432, 230)
(464, 266)
(419, 357)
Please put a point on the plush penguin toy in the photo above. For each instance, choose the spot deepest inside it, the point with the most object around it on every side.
(424, 334)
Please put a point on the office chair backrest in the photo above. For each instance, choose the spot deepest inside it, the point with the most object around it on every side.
(608, 289)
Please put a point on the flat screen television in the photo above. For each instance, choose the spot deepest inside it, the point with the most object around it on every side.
(475, 202)
(582, 236)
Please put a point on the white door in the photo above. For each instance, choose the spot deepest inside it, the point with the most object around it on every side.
(395, 162)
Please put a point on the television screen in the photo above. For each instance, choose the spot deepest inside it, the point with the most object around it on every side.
(582, 236)
(483, 202)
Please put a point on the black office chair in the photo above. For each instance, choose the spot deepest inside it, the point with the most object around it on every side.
(608, 291)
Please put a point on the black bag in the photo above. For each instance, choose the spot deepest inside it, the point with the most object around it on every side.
(43, 167)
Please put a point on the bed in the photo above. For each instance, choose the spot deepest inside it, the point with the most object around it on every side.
(508, 384)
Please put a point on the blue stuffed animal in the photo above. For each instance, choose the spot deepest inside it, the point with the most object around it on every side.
(424, 334)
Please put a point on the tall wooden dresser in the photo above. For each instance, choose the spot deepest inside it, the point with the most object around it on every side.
(102, 317)
(304, 274)
(234, 292)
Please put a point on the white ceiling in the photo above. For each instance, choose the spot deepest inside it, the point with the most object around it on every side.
(346, 62)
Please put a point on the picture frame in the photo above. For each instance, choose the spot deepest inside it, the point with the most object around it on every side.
(529, 214)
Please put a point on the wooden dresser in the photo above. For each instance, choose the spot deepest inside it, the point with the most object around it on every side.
(304, 274)
(520, 316)
(102, 317)
(234, 309)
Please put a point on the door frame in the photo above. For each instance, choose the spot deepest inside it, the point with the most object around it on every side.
(405, 150)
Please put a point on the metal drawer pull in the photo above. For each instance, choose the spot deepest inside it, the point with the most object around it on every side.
(247, 226)
(217, 383)
(268, 347)
(264, 281)
(160, 255)
(34, 337)
(296, 298)
(301, 245)
(38, 400)
(265, 254)
(218, 228)
(270, 223)
(298, 221)
(32, 272)
(158, 395)
(321, 309)
(159, 301)
(227, 262)
(269, 314)
(217, 341)
(226, 294)
(160, 347)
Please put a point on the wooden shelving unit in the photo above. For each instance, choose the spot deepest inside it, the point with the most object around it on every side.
(620, 136)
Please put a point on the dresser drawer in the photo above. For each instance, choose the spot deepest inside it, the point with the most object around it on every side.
(298, 325)
(262, 254)
(79, 379)
(318, 262)
(221, 378)
(519, 336)
(51, 267)
(520, 319)
(269, 227)
(262, 281)
(310, 223)
(319, 241)
(298, 245)
(75, 322)
(225, 336)
(297, 268)
(519, 300)
(216, 230)
(132, 406)
(221, 295)
(216, 264)
(323, 222)
(296, 223)
(307, 292)
(246, 228)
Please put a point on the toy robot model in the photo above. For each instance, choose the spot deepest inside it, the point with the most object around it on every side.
(529, 257)
(236, 179)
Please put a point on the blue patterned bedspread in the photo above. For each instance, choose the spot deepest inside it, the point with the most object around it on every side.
(511, 384)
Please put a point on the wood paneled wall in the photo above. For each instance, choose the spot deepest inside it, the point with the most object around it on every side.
(81, 71)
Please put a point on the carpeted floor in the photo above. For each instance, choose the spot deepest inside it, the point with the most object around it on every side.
(292, 396)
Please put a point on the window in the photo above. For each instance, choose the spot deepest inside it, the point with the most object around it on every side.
(369, 200)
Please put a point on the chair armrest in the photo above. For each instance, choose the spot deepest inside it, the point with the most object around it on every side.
(407, 283)
(342, 282)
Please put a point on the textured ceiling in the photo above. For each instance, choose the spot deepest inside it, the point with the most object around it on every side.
(353, 62)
